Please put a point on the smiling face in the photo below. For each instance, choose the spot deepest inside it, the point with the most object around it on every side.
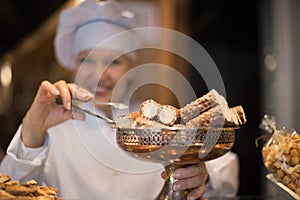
(99, 71)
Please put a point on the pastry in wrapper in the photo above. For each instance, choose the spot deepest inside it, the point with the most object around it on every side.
(13, 190)
(281, 154)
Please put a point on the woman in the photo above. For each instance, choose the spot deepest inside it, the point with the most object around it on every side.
(77, 154)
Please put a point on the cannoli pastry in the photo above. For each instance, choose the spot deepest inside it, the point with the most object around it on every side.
(241, 114)
(178, 126)
(210, 110)
(213, 117)
(218, 116)
(149, 109)
(135, 120)
(127, 120)
(168, 115)
(141, 122)
(202, 104)
(232, 118)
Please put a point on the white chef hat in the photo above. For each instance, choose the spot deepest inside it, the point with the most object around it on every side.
(90, 24)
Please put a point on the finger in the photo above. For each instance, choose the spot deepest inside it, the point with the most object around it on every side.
(78, 115)
(80, 93)
(46, 86)
(66, 115)
(64, 93)
(163, 174)
(46, 92)
(190, 171)
(197, 193)
(188, 183)
(71, 114)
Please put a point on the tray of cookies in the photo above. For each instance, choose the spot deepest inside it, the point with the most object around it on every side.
(30, 190)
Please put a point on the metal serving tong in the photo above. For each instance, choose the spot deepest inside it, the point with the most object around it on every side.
(113, 104)
(58, 101)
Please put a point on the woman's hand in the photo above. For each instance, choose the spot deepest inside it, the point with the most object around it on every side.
(192, 177)
(44, 113)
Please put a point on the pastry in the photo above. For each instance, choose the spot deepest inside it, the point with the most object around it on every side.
(202, 104)
(168, 115)
(149, 109)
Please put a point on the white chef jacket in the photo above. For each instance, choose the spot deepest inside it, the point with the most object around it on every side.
(83, 161)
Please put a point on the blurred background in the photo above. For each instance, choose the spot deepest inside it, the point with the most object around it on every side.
(253, 43)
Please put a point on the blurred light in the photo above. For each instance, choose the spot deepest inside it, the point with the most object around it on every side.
(6, 74)
(78, 2)
(128, 14)
(270, 62)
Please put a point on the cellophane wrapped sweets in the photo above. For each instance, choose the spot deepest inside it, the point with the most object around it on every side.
(281, 154)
